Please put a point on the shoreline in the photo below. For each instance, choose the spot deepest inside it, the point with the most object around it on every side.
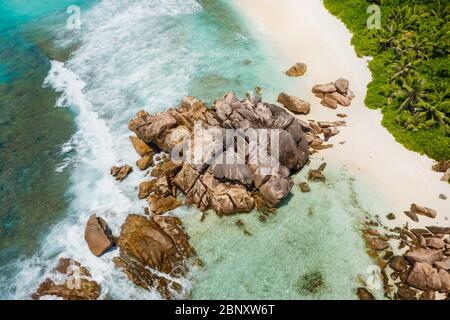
(370, 150)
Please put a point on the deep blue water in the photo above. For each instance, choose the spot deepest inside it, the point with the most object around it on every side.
(31, 129)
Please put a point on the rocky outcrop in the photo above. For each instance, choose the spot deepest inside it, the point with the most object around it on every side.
(334, 94)
(214, 183)
(74, 282)
(297, 70)
(154, 253)
(421, 270)
(294, 104)
(427, 212)
(120, 173)
(424, 277)
(98, 236)
(446, 176)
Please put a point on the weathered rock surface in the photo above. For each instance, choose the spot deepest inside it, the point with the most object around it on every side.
(120, 173)
(298, 70)
(424, 277)
(214, 184)
(329, 102)
(424, 255)
(423, 265)
(141, 147)
(334, 94)
(98, 236)
(342, 85)
(435, 243)
(304, 187)
(294, 104)
(427, 212)
(145, 162)
(441, 166)
(406, 293)
(364, 294)
(398, 263)
(74, 283)
(324, 88)
(152, 251)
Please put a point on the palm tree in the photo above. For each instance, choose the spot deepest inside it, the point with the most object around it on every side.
(404, 66)
(410, 92)
(438, 112)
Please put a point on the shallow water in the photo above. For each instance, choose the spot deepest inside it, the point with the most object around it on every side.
(131, 54)
(311, 234)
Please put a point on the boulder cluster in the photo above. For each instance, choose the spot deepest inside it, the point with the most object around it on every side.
(226, 188)
(421, 270)
(334, 93)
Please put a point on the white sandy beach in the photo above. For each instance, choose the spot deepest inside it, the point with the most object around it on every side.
(304, 31)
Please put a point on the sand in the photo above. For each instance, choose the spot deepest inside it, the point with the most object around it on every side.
(304, 31)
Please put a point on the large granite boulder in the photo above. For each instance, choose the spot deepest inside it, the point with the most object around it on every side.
(424, 277)
(294, 104)
(98, 236)
(154, 252)
(429, 256)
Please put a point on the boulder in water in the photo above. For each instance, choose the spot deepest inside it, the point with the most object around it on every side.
(98, 236)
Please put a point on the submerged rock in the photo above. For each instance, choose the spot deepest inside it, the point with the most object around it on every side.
(364, 294)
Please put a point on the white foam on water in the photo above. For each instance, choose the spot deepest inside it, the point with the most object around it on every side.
(139, 53)
(123, 64)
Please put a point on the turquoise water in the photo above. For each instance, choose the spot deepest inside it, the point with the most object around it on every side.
(55, 161)
(32, 131)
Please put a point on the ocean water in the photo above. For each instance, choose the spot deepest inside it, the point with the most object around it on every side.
(77, 91)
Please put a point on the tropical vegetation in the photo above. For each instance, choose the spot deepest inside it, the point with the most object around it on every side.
(410, 67)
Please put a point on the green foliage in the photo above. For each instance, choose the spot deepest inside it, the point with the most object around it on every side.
(410, 68)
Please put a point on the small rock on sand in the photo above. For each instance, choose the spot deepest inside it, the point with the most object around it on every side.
(298, 70)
